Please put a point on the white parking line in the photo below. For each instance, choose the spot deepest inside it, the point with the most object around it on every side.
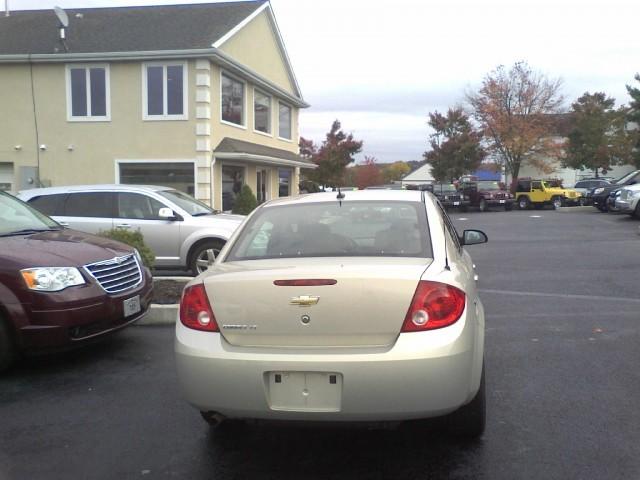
(535, 216)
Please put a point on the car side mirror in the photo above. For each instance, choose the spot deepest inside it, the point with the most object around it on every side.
(474, 237)
(167, 214)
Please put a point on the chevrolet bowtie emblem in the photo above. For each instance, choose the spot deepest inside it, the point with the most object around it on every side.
(304, 300)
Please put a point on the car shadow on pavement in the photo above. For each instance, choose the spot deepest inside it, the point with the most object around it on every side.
(411, 451)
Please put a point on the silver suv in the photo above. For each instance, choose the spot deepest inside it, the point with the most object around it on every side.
(178, 228)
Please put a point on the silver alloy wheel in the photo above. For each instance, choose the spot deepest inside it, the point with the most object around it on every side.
(202, 260)
(523, 203)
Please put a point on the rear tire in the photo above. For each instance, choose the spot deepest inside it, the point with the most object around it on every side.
(8, 351)
(524, 203)
(198, 256)
(469, 421)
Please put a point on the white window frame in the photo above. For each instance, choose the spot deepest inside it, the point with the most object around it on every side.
(194, 161)
(107, 92)
(185, 91)
(259, 132)
(245, 107)
(290, 140)
(269, 172)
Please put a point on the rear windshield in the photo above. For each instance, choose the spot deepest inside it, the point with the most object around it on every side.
(376, 229)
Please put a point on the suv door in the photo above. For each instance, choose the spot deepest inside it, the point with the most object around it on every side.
(537, 192)
(136, 211)
(90, 212)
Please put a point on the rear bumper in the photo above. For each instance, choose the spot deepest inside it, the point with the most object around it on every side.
(460, 204)
(500, 202)
(422, 375)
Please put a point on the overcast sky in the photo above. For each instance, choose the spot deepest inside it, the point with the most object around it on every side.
(381, 66)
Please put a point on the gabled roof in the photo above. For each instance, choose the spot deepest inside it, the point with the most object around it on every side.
(123, 29)
(422, 174)
(232, 148)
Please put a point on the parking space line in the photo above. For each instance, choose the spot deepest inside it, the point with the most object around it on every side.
(561, 295)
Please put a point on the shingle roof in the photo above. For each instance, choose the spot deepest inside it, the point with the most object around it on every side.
(123, 29)
(231, 145)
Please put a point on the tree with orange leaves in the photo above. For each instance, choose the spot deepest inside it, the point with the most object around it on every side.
(368, 174)
(516, 111)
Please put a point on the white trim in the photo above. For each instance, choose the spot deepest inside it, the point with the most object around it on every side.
(185, 91)
(245, 95)
(240, 26)
(270, 132)
(247, 157)
(107, 92)
(290, 140)
(279, 40)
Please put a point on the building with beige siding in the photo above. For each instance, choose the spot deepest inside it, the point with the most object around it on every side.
(200, 97)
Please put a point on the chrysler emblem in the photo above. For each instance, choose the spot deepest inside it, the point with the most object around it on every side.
(304, 300)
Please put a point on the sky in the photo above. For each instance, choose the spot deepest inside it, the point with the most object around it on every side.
(381, 66)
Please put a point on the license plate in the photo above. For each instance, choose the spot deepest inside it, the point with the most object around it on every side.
(456, 203)
(131, 306)
(305, 391)
(501, 201)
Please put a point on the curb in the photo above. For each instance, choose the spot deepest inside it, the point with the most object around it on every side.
(585, 208)
(159, 315)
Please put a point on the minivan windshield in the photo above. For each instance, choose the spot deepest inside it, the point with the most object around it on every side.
(327, 229)
(16, 217)
(189, 204)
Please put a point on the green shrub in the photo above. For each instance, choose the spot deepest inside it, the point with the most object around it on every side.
(245, 201)
(134, 239)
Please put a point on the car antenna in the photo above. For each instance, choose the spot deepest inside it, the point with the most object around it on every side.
(340, 196)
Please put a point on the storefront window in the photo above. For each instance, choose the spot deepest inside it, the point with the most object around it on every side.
(175, 175)
(285, 176)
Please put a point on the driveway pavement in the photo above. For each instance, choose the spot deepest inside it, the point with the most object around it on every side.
(562, 297)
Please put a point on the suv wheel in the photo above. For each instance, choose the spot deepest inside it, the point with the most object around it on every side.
(7, 348)
(557, 202)
(483, 205)
(523, 203)
(199, 261)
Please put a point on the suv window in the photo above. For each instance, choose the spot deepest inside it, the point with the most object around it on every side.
(89, 204)
(138, 206)
(49, 204)
(537, 185)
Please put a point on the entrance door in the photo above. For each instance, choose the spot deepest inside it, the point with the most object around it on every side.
(6, 177)
(262, 185)
(232, 181)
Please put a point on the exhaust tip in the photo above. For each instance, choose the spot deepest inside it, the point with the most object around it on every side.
(213, 418)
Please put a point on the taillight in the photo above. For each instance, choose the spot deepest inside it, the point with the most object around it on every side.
(195, 310)
(434, 305)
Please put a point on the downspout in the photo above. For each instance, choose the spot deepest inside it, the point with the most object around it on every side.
(6, 8)
(35, 121)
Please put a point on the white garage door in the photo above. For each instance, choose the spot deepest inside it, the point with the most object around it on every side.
(6, 176)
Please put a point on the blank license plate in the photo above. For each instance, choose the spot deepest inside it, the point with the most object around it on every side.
(131, 306)
(501, 201)
(456, 203)
(305, 391)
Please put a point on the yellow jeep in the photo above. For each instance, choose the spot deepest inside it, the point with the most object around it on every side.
(545, 192)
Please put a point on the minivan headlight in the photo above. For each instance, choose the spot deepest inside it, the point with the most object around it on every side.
(51, 279)
(598, 190)
(635, 194)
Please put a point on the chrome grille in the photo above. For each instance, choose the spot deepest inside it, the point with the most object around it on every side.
(452, 198)
(500, 196)
(116, 275)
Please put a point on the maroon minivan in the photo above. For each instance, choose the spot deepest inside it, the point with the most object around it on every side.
(60, 288)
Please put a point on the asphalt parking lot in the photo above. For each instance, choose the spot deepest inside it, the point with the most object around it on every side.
(562, 296)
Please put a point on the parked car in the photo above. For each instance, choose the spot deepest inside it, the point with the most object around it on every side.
(586, 186)
(485, 194)
(601, 194)
(539, 193)
(450, 197)
(629, 200)
(178, 228)
(611, 200)
(307, 315)
(60, 288)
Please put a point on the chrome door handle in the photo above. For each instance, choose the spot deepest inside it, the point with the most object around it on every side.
(123, 225)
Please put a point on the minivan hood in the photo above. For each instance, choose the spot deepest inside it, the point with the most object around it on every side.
(59, 248)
